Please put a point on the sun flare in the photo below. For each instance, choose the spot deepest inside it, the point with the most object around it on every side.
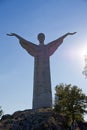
(84, 52)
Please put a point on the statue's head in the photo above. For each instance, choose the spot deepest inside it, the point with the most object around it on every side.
(41, 37)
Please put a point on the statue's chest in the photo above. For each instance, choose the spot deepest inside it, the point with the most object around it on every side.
(42, 56)
(42, 51)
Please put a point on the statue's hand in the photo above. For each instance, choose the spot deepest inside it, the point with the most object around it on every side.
(11, 34)
(14, 34)
(72, 33)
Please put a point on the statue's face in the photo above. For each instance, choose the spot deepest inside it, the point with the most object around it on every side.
(41, 37)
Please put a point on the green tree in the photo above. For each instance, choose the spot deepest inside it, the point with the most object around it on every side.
(70, 101)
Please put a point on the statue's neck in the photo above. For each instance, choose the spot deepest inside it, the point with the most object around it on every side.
(41, 43)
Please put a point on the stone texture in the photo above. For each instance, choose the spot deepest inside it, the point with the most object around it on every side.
(41, 119)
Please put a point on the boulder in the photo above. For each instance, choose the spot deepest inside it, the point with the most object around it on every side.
(37, 119)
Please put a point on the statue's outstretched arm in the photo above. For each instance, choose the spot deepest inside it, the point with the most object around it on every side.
(52, 46)
(62, 37)
(20, 38)
(27, 45)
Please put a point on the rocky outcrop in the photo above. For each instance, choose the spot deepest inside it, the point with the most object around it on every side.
(39, 119)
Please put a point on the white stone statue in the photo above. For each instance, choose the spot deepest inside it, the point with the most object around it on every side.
(42, 95)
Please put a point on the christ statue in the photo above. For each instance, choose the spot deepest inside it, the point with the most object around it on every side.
(42, 94)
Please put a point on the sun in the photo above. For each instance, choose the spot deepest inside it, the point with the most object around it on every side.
(84, 52)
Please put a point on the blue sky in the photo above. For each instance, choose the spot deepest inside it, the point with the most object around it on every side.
(28, 18)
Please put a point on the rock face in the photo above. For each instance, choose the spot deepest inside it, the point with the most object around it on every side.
(39, 119)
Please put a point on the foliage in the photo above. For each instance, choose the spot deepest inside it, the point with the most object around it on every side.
(70, 101)
(1, 112)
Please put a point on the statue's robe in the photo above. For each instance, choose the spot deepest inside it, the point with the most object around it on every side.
(42, 94)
